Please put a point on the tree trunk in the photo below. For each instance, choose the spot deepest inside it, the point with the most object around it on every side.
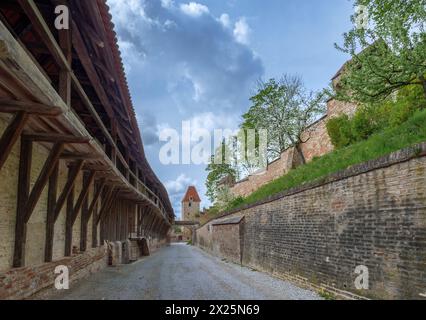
(300, 152)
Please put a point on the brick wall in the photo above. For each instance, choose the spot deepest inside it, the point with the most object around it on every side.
(317, 144)
(274, 170)
(8, 191)
(37, 280)
(223, 237)
(36, 227)
(373, 214)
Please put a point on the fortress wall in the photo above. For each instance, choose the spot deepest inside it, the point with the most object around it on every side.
(371, 215)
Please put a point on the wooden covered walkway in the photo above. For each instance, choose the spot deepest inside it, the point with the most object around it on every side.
(72, 162)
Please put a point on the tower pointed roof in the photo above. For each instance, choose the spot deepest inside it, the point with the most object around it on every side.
(191, 194)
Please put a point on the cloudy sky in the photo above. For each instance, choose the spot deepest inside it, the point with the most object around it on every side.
(199, 61)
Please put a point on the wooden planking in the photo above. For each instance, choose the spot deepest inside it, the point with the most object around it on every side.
(17, 36)
(11, 135)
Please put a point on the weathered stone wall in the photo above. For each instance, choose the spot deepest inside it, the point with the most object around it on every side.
(39, 279)
(373, 214)
(190, 211)
(317, 144)
(204, 237)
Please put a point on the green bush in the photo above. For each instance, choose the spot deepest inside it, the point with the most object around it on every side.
(340, 131)
(365, 122)
(372, 118)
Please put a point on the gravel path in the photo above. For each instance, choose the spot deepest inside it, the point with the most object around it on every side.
(182, 272)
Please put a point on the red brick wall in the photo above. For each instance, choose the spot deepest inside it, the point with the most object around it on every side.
(26, 282)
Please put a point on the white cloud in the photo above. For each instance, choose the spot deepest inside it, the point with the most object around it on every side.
(179, 185)
(198, 88)
(130, 54)
(206, 121)
(122, 10)
(225, 20)
(210, 121)
(167, 4)
(168, 24)
(242, 31)
(194, 9)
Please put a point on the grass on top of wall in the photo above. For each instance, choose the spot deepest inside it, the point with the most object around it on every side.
(411, 132)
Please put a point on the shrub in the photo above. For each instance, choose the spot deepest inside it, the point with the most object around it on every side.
(364, 123)
(372, 118)
(340, 132)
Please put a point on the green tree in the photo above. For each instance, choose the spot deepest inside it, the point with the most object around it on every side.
(387, 54)
(285, 109)
(220, 167)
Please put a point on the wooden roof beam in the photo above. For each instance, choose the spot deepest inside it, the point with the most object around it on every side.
(80, 156)
(11, 106)
(55, 137)
(87, 63)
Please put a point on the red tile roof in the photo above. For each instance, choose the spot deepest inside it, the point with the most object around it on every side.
(113, 44)
(191, 193)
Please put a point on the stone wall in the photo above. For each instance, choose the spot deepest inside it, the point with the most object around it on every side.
(372, 214)
(37, 280)
(317, 144)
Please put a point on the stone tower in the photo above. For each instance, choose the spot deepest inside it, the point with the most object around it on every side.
(191, 205)
(190, 210)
